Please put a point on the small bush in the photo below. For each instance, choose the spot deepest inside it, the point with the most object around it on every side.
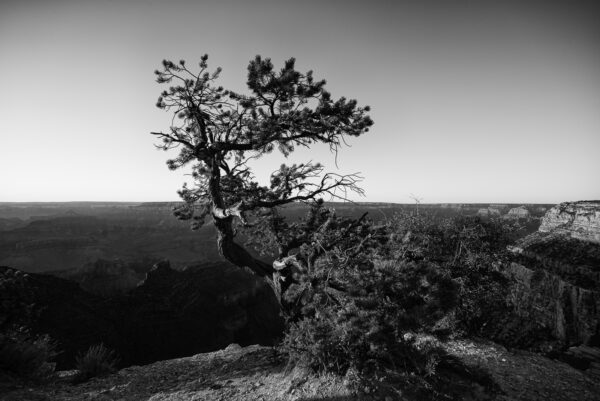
(27, 356)
(369, 306)
(97, 361)
(473, 253)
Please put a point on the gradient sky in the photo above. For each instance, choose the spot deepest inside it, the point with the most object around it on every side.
(473, 101)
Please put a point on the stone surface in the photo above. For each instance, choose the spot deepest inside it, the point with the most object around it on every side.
(584, 358)
(257, 374)
(570, 312)
(580, 220)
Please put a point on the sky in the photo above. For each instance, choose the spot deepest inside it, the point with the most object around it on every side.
(473, 101)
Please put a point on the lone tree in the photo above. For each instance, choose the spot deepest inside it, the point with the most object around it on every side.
(219, 131)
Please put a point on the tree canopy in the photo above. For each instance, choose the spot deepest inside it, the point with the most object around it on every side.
(218, 132)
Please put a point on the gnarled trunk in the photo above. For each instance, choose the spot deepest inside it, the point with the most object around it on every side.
(227, 247)
(240, 257)
(235, 253)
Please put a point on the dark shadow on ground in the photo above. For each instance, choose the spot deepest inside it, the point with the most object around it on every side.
(332, 398)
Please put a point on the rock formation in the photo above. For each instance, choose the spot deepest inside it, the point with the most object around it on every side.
(557, 272)
(580, 220)
(517, 213)
(170, 314)
(257, 373)
(203, 308)
(48, 305)
(570, 312)
(108, 278)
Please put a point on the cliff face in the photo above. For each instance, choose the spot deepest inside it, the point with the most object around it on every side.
(59, 308)
(570, 312)
(170, 314)
(580, 220)
(557, 272)
(203, 308)
(108, 278)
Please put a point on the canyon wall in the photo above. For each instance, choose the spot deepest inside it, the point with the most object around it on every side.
(557, 272)
(580, 220)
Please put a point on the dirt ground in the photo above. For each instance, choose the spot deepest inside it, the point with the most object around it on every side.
(256, 373)
(527, 376)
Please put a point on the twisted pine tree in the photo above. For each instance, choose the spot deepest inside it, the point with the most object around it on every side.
(219, 131)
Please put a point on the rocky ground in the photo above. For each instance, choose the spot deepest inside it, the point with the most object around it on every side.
(256, 373)
(525, 376)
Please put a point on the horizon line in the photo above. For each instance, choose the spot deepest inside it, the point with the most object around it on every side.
(338, 201)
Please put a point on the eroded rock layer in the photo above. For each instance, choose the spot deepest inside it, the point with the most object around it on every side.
(171, 314)
(557, 272)
(580, 220)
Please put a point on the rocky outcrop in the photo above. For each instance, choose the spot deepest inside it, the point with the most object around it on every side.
(203, 308)
(557, 273)
(257, 373)
(584, 358)
(575, 261)
(48, 305)
(579, 220)
(570, 312)
(517, 213)
(108, 278)
(170, 314)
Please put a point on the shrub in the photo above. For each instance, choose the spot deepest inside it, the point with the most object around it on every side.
(472, 252)
(369, 305)
(360, 310)
(27, 356)
(96, 361)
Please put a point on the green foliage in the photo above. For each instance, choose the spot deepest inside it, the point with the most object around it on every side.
(27, 356)
(96, 361)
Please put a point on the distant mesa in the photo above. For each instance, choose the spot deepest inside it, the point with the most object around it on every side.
(488, 212)
(518, 213)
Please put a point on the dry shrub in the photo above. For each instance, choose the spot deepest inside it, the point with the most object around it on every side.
(27, 356)
(96, 361)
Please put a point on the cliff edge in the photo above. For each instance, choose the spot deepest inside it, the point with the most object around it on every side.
(557, 271)
(579, 220)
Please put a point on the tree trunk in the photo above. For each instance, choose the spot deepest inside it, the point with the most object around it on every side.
(228, 248)
(240, 257)
(235, 253)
